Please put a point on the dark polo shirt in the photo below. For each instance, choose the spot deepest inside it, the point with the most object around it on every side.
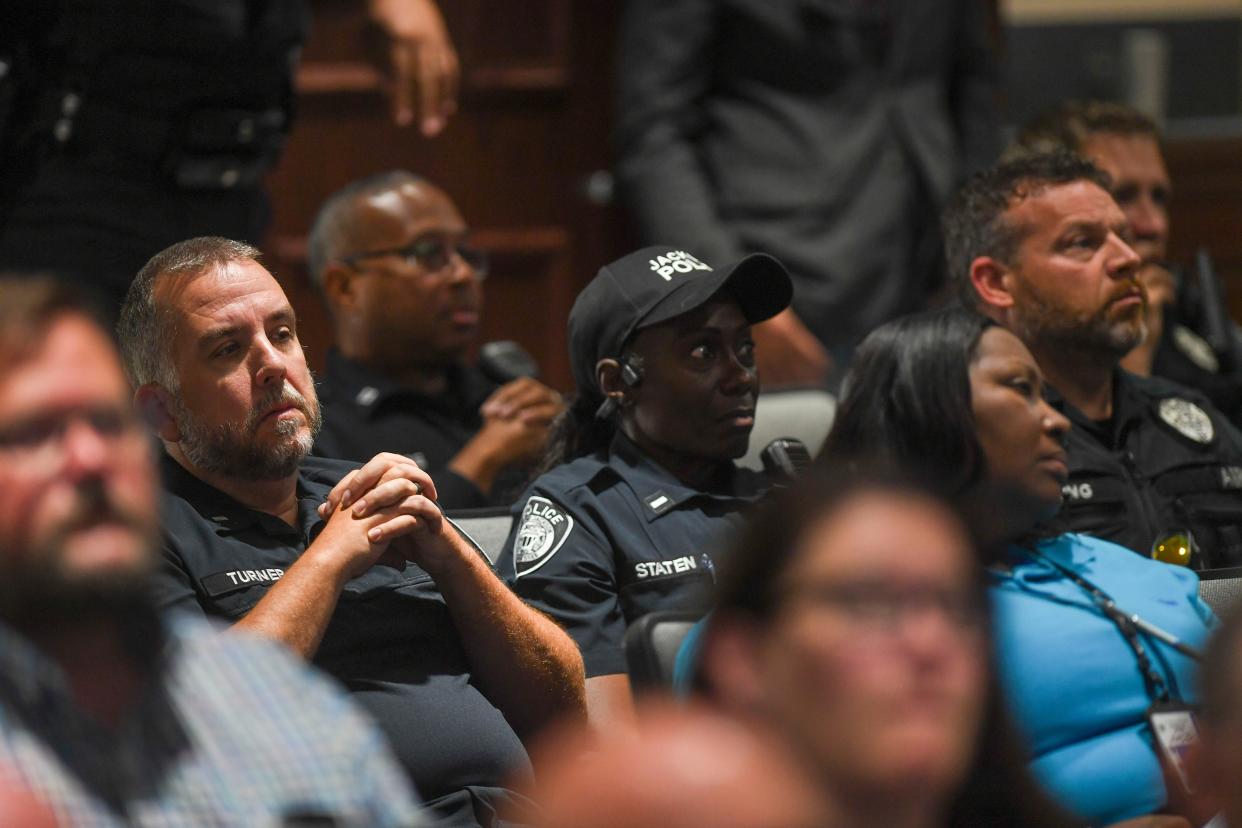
(365, 413)
(1167, 461)
(605, 539)
(391, 641)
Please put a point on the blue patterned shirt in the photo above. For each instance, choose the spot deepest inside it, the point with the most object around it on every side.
(232, 730)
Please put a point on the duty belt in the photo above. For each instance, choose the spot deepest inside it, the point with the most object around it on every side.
(204, 149)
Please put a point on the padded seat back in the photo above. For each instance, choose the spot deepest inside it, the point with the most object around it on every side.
(802, 413)
(1221, 589)
(651, 646)
(488, 528)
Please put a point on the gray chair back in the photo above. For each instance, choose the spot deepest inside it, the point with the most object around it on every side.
(651, 646)
(1221, 589)
(803, 413)
(488, 528)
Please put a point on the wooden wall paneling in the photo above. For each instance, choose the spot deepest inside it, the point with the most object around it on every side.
(1207, 206)
(602, 230)
(516, 46)
(528, 305)
(531, 127)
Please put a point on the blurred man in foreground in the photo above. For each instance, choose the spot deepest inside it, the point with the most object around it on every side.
(682, 766)
(109, 711)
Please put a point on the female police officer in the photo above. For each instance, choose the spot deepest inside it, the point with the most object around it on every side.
(642, 484)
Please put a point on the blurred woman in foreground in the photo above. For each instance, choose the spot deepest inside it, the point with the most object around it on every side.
(853, 625)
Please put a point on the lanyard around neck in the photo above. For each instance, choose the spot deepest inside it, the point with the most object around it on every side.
(1131, 626)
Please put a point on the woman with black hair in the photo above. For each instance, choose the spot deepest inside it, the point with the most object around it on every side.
(1091, 638)
(641, 480)
(871, 663)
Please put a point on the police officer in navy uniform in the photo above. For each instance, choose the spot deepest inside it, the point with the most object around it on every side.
(1044, 249)
(1163, 476)
(642, 487)
(1126, 144)
(390, 254)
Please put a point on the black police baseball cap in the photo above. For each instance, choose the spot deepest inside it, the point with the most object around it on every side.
(654, 285)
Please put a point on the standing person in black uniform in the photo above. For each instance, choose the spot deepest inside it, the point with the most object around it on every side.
(391, 256)
(826, 132)
(127, 126)
(664, 363)
(1039, 243)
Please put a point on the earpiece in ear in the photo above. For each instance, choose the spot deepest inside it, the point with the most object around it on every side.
(631, 376)
(632, 371)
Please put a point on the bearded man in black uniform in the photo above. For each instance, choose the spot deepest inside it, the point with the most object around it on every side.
(352, 568)
(1126, 144)
(1041, 246)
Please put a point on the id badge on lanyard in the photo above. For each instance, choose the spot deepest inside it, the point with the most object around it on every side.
(1177, 733)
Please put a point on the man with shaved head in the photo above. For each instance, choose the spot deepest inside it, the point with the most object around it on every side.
(404, 288)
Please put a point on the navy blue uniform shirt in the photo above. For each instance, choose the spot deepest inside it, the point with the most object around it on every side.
(1166, 461)
(391, 641)
(610, 537)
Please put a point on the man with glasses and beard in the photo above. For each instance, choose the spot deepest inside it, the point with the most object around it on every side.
(404, 288)
(1041, 246)
(353, 568)
(110, 711)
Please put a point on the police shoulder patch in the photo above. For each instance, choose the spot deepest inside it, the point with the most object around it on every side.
(1187, 419)
(541, 533)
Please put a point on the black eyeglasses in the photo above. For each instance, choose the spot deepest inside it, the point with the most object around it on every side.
(41, 440)
(432, 255)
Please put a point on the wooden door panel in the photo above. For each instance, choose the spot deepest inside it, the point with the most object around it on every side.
(1207, 207)
(515, 46)
(528, 304)
(532, 125)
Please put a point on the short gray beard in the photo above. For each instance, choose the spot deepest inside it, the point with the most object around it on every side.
(232, 450)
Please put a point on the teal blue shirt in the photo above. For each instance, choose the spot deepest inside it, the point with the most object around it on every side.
(1072, 680)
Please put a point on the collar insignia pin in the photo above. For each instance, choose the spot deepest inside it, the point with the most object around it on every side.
(659, 502)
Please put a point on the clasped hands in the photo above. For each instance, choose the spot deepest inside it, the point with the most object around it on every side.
(385, 512)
